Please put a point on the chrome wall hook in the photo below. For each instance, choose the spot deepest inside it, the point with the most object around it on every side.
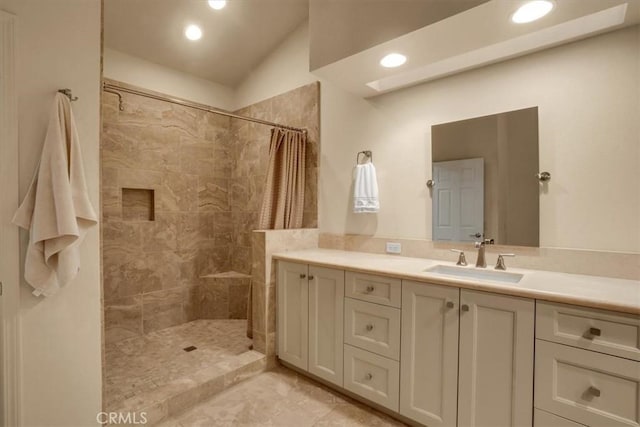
(68, 94)
(543, 176)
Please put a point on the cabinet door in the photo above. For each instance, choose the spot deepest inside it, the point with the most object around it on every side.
(293, 313)
(429, 356)
(326, 302)
(496, 360)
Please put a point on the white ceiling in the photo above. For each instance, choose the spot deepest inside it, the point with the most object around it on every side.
(235, 39)
(476, 37)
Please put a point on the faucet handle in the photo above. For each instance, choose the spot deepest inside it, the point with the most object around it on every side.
(500, 265)
(462, 260)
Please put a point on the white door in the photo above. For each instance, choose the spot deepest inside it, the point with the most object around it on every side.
(458, 200)
(9, 249)
(293, 313)
(429, 356)
(326, 315)
(496, 360)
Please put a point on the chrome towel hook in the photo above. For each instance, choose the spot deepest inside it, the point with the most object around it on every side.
(543, 176)
(68, 94)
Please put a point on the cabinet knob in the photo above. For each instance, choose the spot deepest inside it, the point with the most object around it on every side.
(450, 304)
(311, 277)
(369, 327)
(368, 377)
(594, 332)
(370, 289)
(302, 276)
(464, 307)
(593, 391)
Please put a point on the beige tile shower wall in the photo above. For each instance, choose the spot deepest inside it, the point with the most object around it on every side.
(152, 268)
(298, 107)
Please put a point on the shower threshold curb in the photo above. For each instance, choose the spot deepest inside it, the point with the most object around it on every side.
(179, 395)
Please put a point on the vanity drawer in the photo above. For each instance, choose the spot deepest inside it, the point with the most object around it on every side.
(372, 288)
(587, 387)
(598, 330)
(371, 376)
(545, 419)
(372, 327)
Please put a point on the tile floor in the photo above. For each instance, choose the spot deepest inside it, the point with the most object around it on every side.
(280, 398)
(140, 365)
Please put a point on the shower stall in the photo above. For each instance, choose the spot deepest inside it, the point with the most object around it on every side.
(181, 192)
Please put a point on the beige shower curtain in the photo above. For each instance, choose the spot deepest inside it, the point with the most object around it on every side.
(283, 199)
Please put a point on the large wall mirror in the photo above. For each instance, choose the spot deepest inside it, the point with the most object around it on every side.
(484, 179)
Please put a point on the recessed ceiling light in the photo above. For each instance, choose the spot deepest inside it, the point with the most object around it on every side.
(193, 32)
(532, 11)
(217, 4)
(393, 60)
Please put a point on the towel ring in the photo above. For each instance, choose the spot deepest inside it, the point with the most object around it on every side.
(367, 155)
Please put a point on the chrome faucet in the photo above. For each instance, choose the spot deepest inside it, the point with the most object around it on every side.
(500, 265)
(481, 261)
(461, 258)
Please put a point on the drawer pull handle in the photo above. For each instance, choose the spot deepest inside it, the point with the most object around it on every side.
(595, 332)
(594, 391)
(368, 377)
(302, 276)
(310, 277)
(464, 307)
(450, 304)
(369, 327)
(370, 289)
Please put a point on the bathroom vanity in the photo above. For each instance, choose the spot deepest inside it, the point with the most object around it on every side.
(442, 345)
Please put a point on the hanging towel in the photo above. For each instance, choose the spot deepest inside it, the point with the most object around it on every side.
(365, 190)
(56, 210)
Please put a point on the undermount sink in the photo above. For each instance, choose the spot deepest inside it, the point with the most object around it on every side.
(474, 273)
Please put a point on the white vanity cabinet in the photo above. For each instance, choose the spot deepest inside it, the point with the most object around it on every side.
(429, 359)
(495, 378)
(587, 365)
(310, 319)
(467, 357)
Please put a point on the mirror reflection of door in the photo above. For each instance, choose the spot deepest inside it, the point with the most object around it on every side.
(507, 143)
(458, 200)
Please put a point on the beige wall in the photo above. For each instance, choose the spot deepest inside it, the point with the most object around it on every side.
(587, 121)
(59, 46)
(342, 28)
(139, 72)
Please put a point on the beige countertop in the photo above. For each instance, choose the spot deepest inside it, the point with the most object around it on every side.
(589, 291)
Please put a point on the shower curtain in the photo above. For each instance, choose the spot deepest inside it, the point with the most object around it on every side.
(283, 199)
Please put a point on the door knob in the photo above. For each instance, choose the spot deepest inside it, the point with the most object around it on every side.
(311, 277)
(368, 377)
(450, 304)
(595, 332)
(302, 276)
(370, 289)
(464, 307)
(369, 327)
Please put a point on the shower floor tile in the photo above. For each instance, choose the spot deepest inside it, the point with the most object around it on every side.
(139, 365)
(280, 398)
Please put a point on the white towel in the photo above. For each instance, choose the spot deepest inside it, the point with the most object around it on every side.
(56, 210)
(365, 190)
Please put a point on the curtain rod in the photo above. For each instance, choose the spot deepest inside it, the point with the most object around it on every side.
(115, 89)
